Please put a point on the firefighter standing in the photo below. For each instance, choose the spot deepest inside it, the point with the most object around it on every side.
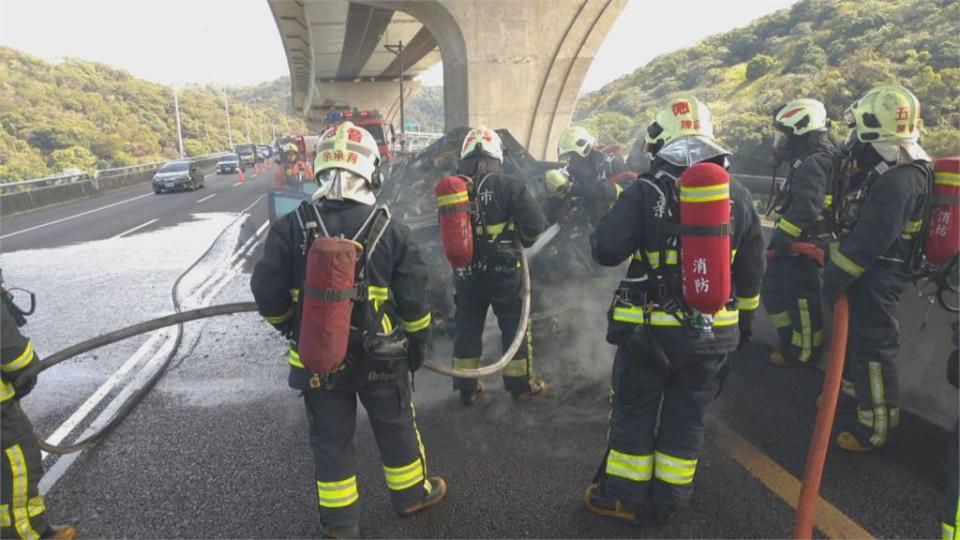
(880, 222)
(394, 297)
(791, 286)
(506, 216)
(669, 365)
(293, 167)
(22, 512)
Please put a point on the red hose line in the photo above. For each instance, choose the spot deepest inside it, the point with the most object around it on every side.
(820, 443)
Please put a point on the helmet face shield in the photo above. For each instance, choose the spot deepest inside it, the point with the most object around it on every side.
(687, 151)
(341, 185)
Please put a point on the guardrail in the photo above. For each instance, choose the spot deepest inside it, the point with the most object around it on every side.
(70, 178)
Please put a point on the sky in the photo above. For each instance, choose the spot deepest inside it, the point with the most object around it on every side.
(236, 42)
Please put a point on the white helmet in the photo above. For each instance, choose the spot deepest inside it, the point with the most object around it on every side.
(482, 140)
(347, 165)
(575, 140)
(800, 116)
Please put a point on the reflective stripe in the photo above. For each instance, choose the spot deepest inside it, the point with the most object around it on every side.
(806, 330)
(20, 361)
(948, 532)
(748, 303)
(866, 417)
(417, 325)
(516, 368)
(628, 314)
(377, 293)
(781, 320)
(337, 494)
(653, 257)
(844, 263)
(674, 470)
(716, 192)
(277, 319)
(400, 478)
(913, 226)
(828, 201)
(733, 255)
(295, 295)
(789, 228)
(453, 198)
(636, 315)
(466, 363)
(21, 486)
(495, 229)
(878, 397)
(946, 178)
(5, 520)
(7, 391)
(638, 468)
(293, 358)
(36, 506)
(848, 388)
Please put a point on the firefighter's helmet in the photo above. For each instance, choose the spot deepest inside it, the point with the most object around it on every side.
(800, 116)
(347, 164)
(575, 140)
(558, 182)
(482, 140)
(886, 113)
(682, 133)
(290, 148)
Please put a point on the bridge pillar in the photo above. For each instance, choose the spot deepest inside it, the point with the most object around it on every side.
(514, 64)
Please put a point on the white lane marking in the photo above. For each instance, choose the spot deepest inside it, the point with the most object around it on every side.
(137, 228)
(75, 216)
(207, 198)
(238, 184)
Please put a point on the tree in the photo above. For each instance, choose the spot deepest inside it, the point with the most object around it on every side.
(758, 66)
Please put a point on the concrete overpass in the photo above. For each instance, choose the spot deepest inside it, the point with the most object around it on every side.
(512, 64)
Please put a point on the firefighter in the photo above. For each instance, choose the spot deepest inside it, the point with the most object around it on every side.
(880, 222)
(22, 509)
(791, 286)
(293, 169)
(393, 297)
(670, 360)
(506, 217)
(596, 177)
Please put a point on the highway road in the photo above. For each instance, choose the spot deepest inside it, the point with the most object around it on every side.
(219, 448)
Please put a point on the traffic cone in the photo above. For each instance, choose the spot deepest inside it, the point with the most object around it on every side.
(241, 176)
(269, 163)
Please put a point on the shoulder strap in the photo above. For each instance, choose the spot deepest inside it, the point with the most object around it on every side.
(370, 234)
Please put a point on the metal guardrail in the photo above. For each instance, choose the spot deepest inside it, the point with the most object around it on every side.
(70, 178)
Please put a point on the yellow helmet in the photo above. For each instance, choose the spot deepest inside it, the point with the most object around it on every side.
(576, 140)
(290, 147)
(886, 113)
(800, 116)
(557, 182)
(683, 116)
(350, 148)
(482, 140)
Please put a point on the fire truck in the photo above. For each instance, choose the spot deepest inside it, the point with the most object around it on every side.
(371, 121)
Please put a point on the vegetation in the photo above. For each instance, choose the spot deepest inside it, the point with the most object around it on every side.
(831, 50)
(426, 109)
(78, 114)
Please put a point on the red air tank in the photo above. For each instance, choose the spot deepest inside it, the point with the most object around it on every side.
(456, 225)
(942, 241)
(705, 237)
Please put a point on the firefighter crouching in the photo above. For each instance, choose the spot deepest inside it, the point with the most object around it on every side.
(22, 509)
(593, 175)
(386, 329)
(670, 358)
(880, 223)
(506, 216)
(293, 168)
(791, 286)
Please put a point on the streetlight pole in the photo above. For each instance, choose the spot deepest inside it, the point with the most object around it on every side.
(398, 50)
(260, 125)
(176, 108)
(247, 124)
(226, 107)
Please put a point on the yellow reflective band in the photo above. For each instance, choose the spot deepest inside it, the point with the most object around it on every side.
(377, 293)
(466, 363)
(417, 325)
(618, 190)
(5, 520)
(700, 194)
(637, 256)
(866, 417)
(36, 506)
(21, 361)
(496, 229)
(293, 358)
(638, 468)
(844, 263)
(879, 399)
(848, 388)
(946, 178)
(20, 487)
(7, 391)
(828, 201)
(400, 478)
(277, 319)
(911, 228)
(674, 470)
(654, 257)
(516, 368)
(781, 320)
(748, 303)
(636, 315)
(948, 531)
(295, 295)
(459, 197)
(337, 494)
(806, 330)
(733, 255)
(784, 225)
(628, 315)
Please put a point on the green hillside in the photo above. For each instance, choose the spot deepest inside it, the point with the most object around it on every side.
(78, 114)
(831, 50)
(426, 109)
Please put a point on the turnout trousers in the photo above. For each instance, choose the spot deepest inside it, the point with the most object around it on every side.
(656, 427)
(471, 315)
(23, 512)
(872, 347)
(332, 414)
(791, 296)
(952, 511)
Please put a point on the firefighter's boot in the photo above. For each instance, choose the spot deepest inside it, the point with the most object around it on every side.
(778, 359)
(663, 514)
(606, 507)
(469, 398)
(60, 532)
(851, 443)
(537, 390)
(340, 533)
(438, 490)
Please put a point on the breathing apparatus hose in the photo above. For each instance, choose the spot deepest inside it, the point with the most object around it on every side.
(181, 317)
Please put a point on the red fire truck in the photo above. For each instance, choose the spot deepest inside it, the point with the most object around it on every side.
(371, 121)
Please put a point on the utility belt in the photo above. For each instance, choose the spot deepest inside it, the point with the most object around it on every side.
(500, 256)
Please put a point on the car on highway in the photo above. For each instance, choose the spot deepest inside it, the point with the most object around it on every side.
(264, 151)
(179, 175)
(248, 154)
(228, 163)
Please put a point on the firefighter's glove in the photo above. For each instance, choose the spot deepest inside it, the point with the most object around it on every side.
(24, 389)
(416, 354)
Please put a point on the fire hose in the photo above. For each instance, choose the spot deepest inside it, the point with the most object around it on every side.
(181, 317)
(820, 441)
